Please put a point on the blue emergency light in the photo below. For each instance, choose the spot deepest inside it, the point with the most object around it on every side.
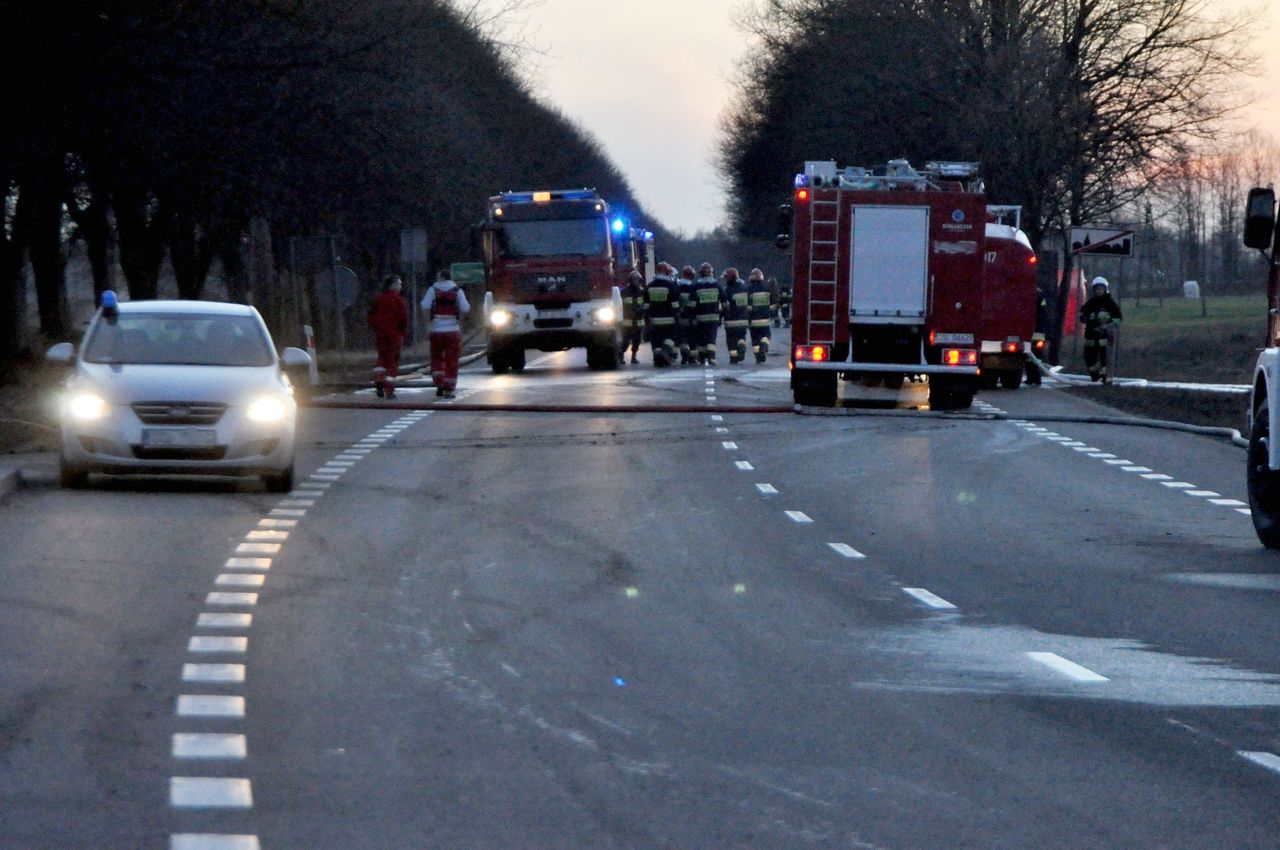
(618, 225)
(110, 304)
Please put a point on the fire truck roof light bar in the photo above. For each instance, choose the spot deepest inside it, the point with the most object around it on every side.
(543, 196)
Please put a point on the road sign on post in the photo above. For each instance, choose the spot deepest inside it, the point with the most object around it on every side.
(413, 256)
(1104, 241)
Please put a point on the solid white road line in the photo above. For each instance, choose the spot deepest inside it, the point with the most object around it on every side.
(213, 672)
(210, 705)
(798, 516)
(227, 644)
(929, 599)
(210, 620)
(209, 745)
(767, 489)
(212, 841)
(845, 550)
(200, 792)
(1070, 669)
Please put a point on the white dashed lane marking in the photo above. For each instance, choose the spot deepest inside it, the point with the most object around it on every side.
(231, 599)
(209, 745)
(798, 516)
(199, 792)
(767, 489)
(210, 705)
(248, 563)
(928, 598)
(218, 644)
(846, 551)
(240, 580)
(213, 673)
(210, 620)
(209, 841)
(730, 446)
(1070, 669)
(743, 465)
(1268, 760)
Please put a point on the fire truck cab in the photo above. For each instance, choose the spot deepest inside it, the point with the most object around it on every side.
(1262, 231)
(1008, 299)
(549, 277)
(887, 266)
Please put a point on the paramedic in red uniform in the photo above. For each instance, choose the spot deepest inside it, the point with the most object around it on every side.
(445, 303)
(389, 320)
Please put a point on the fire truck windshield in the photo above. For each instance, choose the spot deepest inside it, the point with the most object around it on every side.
(582, 236)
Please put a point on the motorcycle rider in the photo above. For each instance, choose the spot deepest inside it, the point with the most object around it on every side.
(633, 310)
(737, 307)
(662, 305)
(707, 295)
(1100, 316)
(762, 306)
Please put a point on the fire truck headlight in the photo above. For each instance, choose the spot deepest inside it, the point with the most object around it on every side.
(606, 316)
(499, 319)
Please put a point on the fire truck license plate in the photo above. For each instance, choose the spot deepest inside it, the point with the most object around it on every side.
(953, 339)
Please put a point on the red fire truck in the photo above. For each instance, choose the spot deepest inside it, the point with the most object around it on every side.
(1008, 299)
(632, 251)
(888, 278)
(549, 277)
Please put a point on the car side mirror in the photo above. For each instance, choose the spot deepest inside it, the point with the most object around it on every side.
(783, 240)
(1259, 218)
(64, 353)
(294, 358)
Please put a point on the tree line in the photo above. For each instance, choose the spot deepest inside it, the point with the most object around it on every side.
(154, 133)
(1075, 108)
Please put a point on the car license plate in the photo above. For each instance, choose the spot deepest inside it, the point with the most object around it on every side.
(178, 437)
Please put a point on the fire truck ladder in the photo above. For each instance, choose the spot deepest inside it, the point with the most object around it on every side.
(824, 221)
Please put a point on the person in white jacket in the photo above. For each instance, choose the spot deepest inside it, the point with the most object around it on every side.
(445, 303)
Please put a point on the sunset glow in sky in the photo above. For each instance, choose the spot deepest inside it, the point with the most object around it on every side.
(651, 79)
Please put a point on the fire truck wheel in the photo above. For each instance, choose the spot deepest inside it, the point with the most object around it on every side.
(894, 382)
(498, 363)
(1263, 482)
(815, 390)
(1011, 379)
(515, 361)
(950, 395)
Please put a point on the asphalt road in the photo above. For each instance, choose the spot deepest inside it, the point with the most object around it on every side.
(472, 629)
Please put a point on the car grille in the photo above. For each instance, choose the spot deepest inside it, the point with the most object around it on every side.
(179, 453)
(179, 412)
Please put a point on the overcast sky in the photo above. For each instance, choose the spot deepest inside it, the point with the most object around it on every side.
(650, 79)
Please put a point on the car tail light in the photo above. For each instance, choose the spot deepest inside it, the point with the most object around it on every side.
(959, 357)
(812, 353)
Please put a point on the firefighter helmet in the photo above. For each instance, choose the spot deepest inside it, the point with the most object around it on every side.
(756, 274)
(1101, 281)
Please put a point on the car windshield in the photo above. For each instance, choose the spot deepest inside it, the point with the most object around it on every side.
(551, 238)
(179, 339)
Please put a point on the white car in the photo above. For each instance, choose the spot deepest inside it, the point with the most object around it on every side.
(177, 388)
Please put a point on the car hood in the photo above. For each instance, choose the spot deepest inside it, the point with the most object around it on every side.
(129, 383)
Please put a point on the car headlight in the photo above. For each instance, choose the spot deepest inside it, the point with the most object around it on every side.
(87, 407)
(266, 409)
(606, 315)
(499, 318)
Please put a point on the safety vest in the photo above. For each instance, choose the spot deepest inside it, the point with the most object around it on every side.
(761, 299)
(706, 299)
(662, 298)
(633, 303)
(737, 301)
(445, 303)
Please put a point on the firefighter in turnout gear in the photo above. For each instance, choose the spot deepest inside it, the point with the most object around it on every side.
(762, 304)
(686, 317)
(707, 295)
(662, 305)
(736, 317)
(1100, 316)
(784, 306)
(633, 311)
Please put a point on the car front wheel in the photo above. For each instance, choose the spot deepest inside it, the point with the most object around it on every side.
(279, 482)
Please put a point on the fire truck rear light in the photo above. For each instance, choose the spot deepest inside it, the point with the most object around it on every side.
(1038, 345)
(812, 353)
(802, 195)
(959, 357)
(1033, 259)
(1012, 347)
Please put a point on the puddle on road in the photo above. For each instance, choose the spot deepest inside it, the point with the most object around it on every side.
(954, 657)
